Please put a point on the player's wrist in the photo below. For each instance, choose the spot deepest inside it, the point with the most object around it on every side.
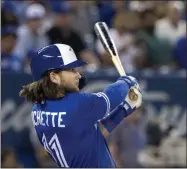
(130, 80)
(128, 109)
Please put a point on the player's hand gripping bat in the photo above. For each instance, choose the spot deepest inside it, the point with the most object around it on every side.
(102, 33)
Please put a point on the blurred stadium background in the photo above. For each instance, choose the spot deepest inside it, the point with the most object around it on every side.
(151, 40)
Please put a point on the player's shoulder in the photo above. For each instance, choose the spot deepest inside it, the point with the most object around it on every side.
(87, 98)
(81, 96)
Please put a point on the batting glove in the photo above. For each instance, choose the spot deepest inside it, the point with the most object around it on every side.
(128, 104)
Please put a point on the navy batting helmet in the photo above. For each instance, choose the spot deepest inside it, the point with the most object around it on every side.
(56, 56)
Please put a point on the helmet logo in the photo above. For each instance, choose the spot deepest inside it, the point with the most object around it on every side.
(49, 56)
(42, 49)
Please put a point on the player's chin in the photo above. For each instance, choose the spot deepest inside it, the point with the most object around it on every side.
(72, 88)
(75, 88)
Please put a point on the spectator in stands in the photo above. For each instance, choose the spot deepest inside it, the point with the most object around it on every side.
(45, 160)
(161, 9)
(108, 9)
(20, 142)
(180, 52)
(83, 13)
(62, 32)
(140, 6)
(158, 52)
(8, 16)
(9, 61)
(8, 159)
(29, 34)
(172, 26)
(127, 140)
(151, 156)
(106, 12)
(19, 7)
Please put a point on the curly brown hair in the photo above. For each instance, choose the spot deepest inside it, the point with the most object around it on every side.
(39, 91)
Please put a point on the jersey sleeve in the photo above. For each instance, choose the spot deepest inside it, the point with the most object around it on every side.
(93, 107)
(116, 93)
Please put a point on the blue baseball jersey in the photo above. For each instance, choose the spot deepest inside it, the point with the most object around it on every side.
(67, 129)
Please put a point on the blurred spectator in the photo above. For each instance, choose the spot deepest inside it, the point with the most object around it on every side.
(174, 148)
(44, 159)
(22, 145)
(161, 9)
(83, 13)
(158, 52)
(9, 61)
(27, 68)
(127, 140)
(108, 9)
(106, 12)
(151, 156)
(140, 6)
(119, 5)
(47, 19)
(126, 24)
(30, 36)
(180, 127)
(62, 32)
(8, 16)
(180, 52)
(42, 2)
(154, 133)
(8, 159)
(21, 7)
(184, 15)
(162, 150)
(172, 26)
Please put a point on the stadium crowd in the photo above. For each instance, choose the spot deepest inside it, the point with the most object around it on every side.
(148, 35)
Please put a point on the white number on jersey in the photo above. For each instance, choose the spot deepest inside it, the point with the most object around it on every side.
(53, 147)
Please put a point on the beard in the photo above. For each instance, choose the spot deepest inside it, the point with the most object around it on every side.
(68, 89)
(65, 88)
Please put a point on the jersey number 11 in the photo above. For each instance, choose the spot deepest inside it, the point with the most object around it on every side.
(53, 147)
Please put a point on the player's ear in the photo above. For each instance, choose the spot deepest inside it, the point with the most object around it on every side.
(54, 77)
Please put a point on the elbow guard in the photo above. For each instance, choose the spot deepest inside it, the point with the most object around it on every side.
(111, 121)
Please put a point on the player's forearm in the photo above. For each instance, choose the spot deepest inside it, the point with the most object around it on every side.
(111, 121)
(127, 107)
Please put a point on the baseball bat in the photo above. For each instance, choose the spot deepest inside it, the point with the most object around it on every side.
(103, 35)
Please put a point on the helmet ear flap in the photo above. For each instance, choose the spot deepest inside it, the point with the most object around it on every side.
(82, 82)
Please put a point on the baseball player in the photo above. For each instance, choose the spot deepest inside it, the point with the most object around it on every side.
(66, 120)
